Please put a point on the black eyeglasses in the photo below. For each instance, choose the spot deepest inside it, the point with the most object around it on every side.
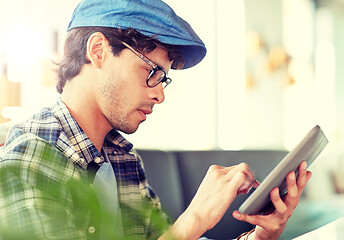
(156, 75)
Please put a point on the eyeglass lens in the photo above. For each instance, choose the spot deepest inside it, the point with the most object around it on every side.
(156, 77)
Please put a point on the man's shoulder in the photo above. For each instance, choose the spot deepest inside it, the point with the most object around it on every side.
(34, 138)
(29, 153)
(43, 126)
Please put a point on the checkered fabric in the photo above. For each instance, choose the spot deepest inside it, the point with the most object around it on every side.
(45, 190)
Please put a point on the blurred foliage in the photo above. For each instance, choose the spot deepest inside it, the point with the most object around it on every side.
(81, 194)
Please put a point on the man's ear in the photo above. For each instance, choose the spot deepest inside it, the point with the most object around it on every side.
(96, 45)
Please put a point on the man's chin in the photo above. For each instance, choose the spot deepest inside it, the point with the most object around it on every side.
(129, 132)
(129, 129)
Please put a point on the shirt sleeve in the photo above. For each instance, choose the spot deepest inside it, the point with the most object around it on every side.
(36, 194)
(159, 222)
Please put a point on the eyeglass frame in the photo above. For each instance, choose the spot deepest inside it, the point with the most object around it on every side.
(155, 67)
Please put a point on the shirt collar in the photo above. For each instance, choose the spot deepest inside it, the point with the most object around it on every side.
(115, 139)
(77, 137)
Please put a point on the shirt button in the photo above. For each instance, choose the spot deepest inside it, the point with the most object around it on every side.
(97, 160)
(91, 229)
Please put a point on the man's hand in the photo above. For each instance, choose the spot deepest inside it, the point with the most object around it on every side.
(217, 191)
(271, 226)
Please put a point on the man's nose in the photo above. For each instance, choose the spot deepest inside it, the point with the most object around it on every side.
(157, 93)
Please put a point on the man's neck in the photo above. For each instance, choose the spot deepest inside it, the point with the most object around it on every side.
(91, 120)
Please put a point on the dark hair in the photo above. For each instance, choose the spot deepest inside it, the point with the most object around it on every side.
(76, 42)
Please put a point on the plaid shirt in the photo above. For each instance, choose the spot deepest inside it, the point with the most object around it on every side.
(42, 159)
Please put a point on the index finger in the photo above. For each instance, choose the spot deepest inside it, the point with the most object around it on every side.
(245, 168)
(303, 177)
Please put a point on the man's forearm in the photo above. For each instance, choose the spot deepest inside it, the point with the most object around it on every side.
(187, 227)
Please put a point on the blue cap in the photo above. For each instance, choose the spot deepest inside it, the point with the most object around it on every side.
(149, 17)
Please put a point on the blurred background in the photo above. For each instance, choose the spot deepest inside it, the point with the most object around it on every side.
(272, 72)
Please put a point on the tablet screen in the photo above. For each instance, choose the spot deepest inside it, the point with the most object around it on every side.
(307, 150)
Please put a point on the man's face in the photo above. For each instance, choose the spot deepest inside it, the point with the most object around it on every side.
(123, 96)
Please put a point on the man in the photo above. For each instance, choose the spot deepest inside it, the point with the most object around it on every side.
(114, 70)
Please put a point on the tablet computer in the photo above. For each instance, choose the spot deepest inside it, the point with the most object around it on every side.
(307, 150)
